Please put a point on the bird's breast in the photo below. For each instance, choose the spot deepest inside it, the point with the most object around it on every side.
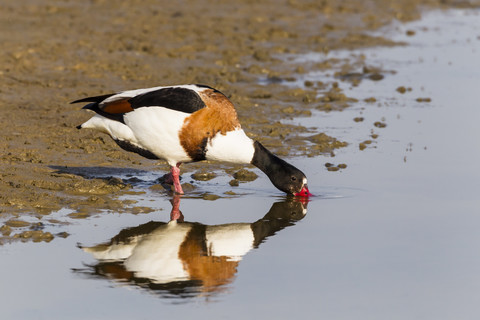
(234, 146)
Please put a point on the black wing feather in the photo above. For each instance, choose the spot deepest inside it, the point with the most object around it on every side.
(174, 98)
(96, 99)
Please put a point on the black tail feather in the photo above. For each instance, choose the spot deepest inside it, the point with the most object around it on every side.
(97, 99)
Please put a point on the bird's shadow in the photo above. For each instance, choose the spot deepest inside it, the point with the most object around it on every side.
(134, 177)
(147, 179)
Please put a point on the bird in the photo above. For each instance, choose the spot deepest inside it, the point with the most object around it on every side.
(183, 124)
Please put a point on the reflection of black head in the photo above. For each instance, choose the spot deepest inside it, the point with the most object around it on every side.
(281, 215)
(287, 210)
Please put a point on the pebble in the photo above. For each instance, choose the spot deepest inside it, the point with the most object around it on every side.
(245, 175)
(17, 223)
(203, 176)
(211, 197)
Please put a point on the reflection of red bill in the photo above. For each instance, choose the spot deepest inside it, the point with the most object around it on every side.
(304, 192)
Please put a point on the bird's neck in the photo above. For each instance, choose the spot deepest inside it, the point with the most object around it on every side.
(265, 160)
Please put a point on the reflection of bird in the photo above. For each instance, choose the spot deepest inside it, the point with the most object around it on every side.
(186, 123)
(185, 258)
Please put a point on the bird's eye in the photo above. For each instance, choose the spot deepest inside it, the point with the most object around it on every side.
(293, 178)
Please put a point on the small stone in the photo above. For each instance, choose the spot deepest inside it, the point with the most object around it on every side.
(5, 230)
(210, 197)
(308, 83)
(261, 94)
(376, 77)
(262, 55)
(37, 226)
(158, 188)
(203, 176)
(138, 210)
(288, 110)
(17, 223)
(39, 236)
(234, 183)
(424, 100)
(187, 187)
(63, 234)
(117, 182)
(245, 175)
(401, 89)
(79, 215)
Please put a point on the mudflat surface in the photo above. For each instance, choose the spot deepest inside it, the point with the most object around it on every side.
(54, 52)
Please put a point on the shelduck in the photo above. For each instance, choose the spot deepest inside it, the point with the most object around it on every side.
(186, 123)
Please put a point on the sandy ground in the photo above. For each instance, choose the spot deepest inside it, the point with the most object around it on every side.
(56, 51)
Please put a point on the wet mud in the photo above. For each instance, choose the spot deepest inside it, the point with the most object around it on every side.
(57, 51)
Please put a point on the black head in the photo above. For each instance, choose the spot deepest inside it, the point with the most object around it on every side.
(283, 175)
(289, 179)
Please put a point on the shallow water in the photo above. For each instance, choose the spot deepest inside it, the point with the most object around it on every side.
(392, 236)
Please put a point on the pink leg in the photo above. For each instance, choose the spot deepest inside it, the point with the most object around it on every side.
(176, 214)
(175, 172)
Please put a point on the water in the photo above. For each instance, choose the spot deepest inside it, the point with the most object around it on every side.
(392, 236)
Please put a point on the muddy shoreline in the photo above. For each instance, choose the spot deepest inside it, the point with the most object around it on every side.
(58, 51)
